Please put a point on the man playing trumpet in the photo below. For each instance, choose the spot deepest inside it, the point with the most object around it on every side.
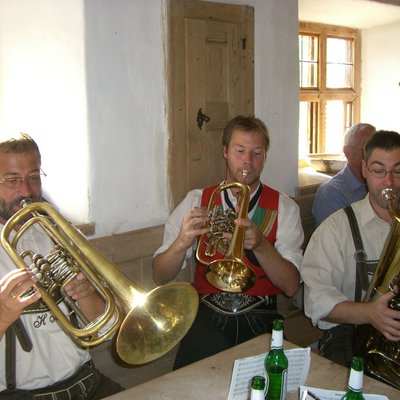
(272, 246)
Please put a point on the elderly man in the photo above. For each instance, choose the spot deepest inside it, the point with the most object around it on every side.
(348, 185)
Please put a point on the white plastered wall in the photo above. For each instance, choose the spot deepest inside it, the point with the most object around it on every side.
(86, 80)
(381, 71)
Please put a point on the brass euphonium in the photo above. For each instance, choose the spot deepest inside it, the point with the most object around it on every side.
(382, 357)
(230, 273)
(148, 325)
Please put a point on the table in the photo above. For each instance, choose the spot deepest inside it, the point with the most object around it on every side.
(210, 378)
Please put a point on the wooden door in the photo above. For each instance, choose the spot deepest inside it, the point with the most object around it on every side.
(210, 74)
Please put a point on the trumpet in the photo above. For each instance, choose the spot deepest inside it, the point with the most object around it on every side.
(148, 325)
(231, 273)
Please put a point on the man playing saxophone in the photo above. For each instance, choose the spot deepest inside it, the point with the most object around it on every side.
(334, 264)
(272, 248)
(38, 360)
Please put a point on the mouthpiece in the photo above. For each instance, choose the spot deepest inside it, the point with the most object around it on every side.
(25, 201)
(388, 194)
(245, 173)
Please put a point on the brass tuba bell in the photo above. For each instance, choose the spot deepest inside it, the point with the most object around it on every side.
(230, 273)
(382, 356)
(148, 324)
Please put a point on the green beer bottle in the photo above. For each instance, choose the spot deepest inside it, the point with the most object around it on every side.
(355, 386)
(257, 388)
(276, 365)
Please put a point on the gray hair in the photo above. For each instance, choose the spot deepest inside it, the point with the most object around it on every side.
(351, 132)
(21, 143)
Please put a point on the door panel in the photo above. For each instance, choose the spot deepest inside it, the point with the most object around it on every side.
(210, 69)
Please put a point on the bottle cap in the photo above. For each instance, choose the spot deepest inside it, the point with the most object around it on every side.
(258, 382)
(277, 325)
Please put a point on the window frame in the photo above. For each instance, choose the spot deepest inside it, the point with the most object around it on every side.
(321, 94)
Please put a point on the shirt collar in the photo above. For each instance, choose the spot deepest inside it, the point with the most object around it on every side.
(367, 213)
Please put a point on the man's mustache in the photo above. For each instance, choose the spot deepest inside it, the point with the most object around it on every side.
(17, 202)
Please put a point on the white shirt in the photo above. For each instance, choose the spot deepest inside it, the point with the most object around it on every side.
(289, 236)
(329, 266)
(54, 355)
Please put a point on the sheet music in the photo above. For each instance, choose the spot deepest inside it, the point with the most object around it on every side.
(245, 368)
(323, 394)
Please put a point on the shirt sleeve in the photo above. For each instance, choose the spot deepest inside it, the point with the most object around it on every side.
(174, 221)
(290, 234)
(327, 280)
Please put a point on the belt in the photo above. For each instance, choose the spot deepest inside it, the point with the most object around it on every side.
(237, 303)
(82, 383)
(79, 386)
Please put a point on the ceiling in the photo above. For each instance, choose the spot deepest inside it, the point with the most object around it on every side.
(359, 14)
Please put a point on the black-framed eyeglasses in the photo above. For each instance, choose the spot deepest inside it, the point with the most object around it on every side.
(14, 182)
(381, 173)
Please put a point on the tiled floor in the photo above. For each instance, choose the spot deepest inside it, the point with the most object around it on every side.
(298, 330)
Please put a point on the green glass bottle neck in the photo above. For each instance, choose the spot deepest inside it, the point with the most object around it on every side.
(356, 375)
(356, 381)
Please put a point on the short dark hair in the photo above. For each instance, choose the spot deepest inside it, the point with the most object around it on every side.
(385, 140)
(21, 143)
(246, 124)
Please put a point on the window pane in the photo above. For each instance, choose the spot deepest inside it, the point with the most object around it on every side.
(308, 56)
(339, 67)
(335, 126)
(308, 128)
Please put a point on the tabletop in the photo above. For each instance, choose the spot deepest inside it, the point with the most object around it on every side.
(210, 378)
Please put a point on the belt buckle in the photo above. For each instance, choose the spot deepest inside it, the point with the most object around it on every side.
(231, 303)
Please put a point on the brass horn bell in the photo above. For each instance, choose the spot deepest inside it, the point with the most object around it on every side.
(148, 325)
(230, 274)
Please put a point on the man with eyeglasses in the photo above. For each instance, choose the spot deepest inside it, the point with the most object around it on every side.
(348, 185)
(336, 254)
(38, 360)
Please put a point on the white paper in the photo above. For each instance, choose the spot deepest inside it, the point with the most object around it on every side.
(245, 368)
(324, 394)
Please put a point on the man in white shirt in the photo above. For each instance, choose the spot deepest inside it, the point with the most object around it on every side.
(329, 264)
(38, 360)
(272, 248)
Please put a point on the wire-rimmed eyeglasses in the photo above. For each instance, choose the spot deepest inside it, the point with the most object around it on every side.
(381, 173)
(13, 182)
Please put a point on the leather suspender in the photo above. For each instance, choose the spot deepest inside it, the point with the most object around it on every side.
(359, 255)
(17, 329)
